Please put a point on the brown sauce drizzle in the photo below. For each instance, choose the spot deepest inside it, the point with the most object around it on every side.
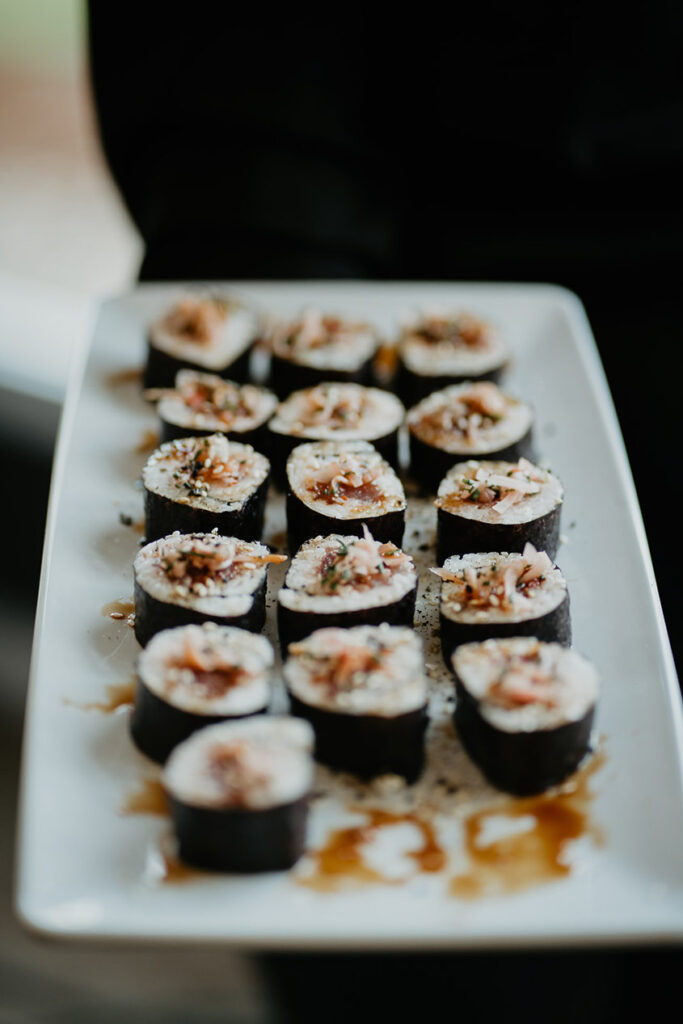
(121, 611)
(131, 375)
(340, 861)
(119, 695)
(150, 798)
(149, 440)
(532, 857)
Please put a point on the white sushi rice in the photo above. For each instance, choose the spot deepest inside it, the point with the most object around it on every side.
(447, 358)
(373, 413)
(567, 696)
(259, 405)
(255, 764)
(301, 590)
(324, 342)
(394, 686)
(308, 460)
(234, 335)
(532, 604)
(164, 668)
(508, 429)
(169, 472)
(545, 492)
(224, 597)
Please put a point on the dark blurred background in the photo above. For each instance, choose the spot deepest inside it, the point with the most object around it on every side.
(496, 145)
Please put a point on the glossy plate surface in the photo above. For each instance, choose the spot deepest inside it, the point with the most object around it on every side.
(86, 868)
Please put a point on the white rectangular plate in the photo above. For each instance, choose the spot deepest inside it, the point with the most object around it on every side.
(87, 870)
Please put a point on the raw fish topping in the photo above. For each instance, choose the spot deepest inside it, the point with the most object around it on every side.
(501, 583)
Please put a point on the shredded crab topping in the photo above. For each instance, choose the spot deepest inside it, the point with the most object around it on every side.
(501, 490)
(335, 406)
(345, 477)
(526, 678)
(205, 665)
(364, 563)
(460, 330)
(210, 462)
(241, 767)
(342, 667)
(199, 565)
(197, 319)
(211, 396)
(499, 584)
(468, 414)
(313, 330)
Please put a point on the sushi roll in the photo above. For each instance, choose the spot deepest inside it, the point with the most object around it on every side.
(364, 692)
(524, 711)
(316, 347)
(335, 412)
(200, 577)
(194, 676)
(441, 349)
(345, 581)
(466, 421)
(239, 794)
(202, 403)
(336, 486)
(200, 332)
(497, 506)
(502, 594)
(198, 484)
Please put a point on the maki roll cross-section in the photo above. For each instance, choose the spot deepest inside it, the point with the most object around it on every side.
(198, 484)
(336, 486)
(209, 333)
(497, 506)
(203, 403)
(441, 349)
(465, 421)
(335, 412)
(524, 710)
(201, 577)
(345, 581)
(194, 676)
(318, 347)
(239, 794)
(364, 692)
(502, 594)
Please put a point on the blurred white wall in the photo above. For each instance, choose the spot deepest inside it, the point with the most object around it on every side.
(65, 237)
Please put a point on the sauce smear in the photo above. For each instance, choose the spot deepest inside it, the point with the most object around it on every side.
(149, 799)
(148, 442)
(131, 375)
(340, 861)
(535, 855)
(119, 610)
(119, 695)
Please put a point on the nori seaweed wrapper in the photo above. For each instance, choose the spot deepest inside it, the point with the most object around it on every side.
(242, 841)
(163, 516)
(151, 615)
(523, 763)
(367, 745)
